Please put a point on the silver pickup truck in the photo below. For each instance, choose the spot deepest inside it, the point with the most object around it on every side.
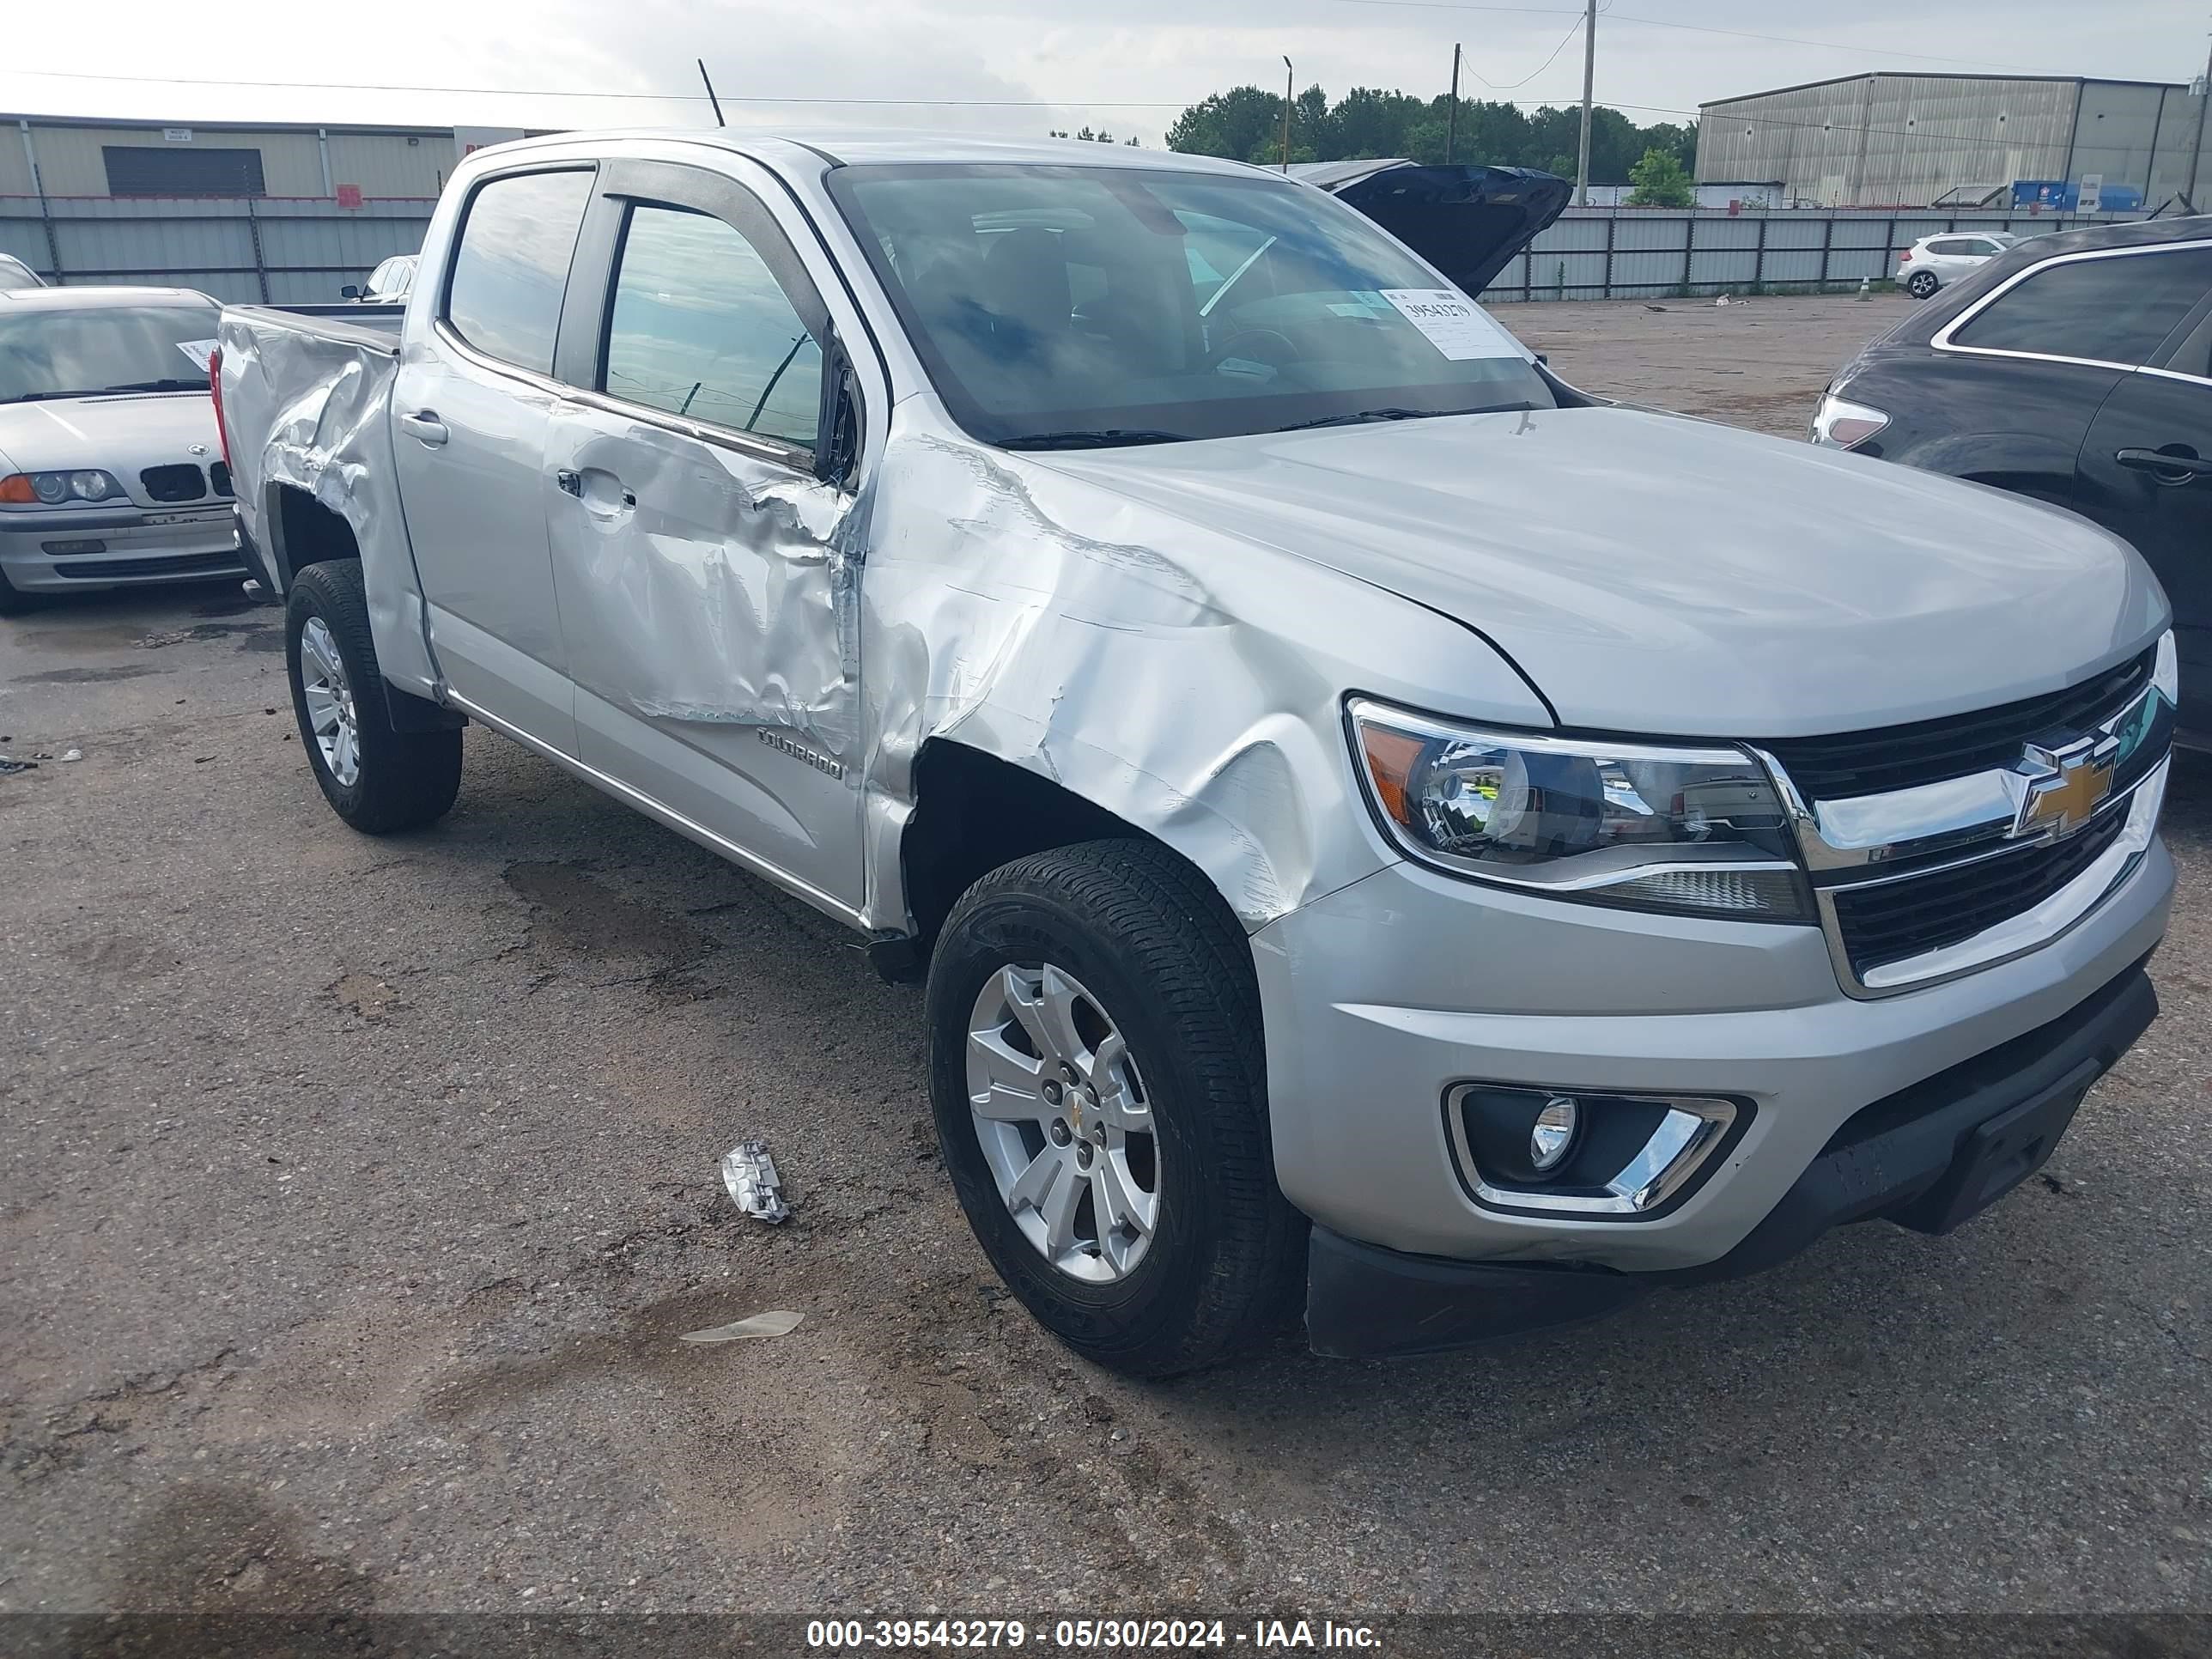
(1380, 827)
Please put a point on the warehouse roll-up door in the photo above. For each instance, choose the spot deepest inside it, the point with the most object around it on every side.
(181, 170)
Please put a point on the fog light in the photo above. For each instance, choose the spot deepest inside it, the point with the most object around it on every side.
(64, 548)
(1549, 1151)
(1553, 1133)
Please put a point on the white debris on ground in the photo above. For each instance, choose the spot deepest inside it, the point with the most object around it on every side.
(750, 1174)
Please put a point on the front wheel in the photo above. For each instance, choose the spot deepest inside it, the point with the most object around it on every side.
(377, 778)
(1921, 284)
(1099, 1083)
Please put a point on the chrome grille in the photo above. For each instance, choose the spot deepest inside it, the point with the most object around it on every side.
(1882, 922)
(1896, 757)
(1990, 836)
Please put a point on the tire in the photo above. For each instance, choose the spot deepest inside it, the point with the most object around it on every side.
(1156, 957)
(1922, 284)
(14, 601)
(400, 780)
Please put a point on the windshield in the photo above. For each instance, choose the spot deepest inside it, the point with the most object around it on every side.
(53, 354)
(1065, 306)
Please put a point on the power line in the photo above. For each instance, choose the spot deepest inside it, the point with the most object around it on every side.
(1696, 28)
(1008, 103)
(551, 92)
(1514, 86)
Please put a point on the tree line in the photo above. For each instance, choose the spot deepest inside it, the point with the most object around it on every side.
(1245, 123)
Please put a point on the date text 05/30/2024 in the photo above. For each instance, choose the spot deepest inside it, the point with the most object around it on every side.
(1092, 1635)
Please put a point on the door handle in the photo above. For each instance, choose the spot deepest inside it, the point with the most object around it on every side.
(571, 482)
(2166, 465)
(425, 428)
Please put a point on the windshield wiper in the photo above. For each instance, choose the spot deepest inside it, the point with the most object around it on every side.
(1361, 417)
(1106, 438)
(159, 385)
(48, 397)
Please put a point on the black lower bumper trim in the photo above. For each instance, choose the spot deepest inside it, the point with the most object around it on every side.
(1908, 1156)
(1364, 1301)
(1927, 1158)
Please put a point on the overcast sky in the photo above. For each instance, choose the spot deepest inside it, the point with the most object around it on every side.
(1127, 65)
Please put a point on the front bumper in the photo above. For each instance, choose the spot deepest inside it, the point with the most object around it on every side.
(1380, 998)
(1928, 1157)
(134, 545)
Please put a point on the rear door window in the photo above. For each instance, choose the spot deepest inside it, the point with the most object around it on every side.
(699, 326)
(2118, 310)
(511, 264)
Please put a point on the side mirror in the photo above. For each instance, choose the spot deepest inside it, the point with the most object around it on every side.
(350, 291)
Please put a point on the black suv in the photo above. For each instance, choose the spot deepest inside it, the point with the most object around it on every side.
(2076, 368)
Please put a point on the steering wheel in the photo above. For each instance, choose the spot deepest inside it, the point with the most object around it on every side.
(1227, 349)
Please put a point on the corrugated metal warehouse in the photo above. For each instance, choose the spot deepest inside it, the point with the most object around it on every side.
(257, 211)
(61, 156)
(1906, 140)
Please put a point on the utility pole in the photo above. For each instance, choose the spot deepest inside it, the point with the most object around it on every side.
(1590, 76)
(2197, 151)
(1290, 80)
(1451, 117)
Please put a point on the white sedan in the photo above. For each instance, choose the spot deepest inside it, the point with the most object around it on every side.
(1934, 260)
(111, 469)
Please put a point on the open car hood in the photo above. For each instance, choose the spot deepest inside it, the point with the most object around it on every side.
(1467, 222)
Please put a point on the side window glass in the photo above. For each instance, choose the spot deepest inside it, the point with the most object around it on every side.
(2194, 355)
(510, 265)
(2112, 311)
(700, 327)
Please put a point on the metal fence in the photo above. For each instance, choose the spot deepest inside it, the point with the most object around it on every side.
(270, 249)
(1606, 253)
(300, 251)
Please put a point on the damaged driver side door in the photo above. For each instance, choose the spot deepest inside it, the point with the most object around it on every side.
(699, 540)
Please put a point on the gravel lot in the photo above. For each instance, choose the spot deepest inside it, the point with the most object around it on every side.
(357, 1192)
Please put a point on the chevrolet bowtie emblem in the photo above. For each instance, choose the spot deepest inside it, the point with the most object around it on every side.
(2065, 787)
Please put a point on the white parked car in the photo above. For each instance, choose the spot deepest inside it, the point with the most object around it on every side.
(110, 469)
(13, 273)
(1934, 260)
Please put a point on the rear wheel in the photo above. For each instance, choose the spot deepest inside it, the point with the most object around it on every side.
(377, 778)
(1921, 284)
(1098, 1078)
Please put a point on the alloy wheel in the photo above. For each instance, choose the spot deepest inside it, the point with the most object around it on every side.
(1064, 1122)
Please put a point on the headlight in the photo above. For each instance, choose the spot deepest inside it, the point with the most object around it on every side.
(1842, 424)
(52, 489)
(2165, 670)
(1696, 831)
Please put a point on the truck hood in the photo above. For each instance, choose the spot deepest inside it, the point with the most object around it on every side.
(1467, 221)
(1650, 572)
(120, 432)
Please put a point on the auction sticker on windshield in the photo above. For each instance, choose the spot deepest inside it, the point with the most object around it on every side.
(1454, 324)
